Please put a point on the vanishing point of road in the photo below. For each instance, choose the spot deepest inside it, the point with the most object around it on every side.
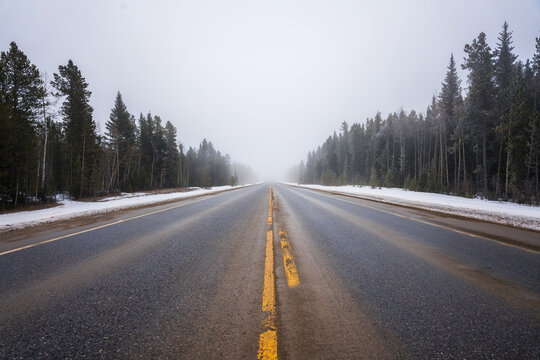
(270, 272)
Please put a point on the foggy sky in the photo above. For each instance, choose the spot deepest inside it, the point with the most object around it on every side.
(264, 81)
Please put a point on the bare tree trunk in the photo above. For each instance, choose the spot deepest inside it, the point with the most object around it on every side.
(82, 165)
(152, 174)
(464, 164)
(46, 126)
(128, 167)
(17, 192)
(118, 161)
(111, 174)
(497, 188)
(387, 152)
(138, 164)
(531, 147)
(484, 156)
(537, 188)
(415, 156)
(446, 157)
(455, 171)
(441, 158)
(179, 174)
(161, 177)
(435, 156)
(43, 167)
(458, 172)
(508, 158)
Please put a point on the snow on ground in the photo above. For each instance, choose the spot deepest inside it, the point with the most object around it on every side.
(72, 209)
(524, 216)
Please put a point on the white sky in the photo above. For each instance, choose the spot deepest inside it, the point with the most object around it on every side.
(265, 81)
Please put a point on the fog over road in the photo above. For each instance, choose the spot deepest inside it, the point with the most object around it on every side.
(186, 280)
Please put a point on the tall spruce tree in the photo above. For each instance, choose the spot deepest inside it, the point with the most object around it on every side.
(504, 68)
(158, 153)
(533, 163)
(145, 156)
(450, 99)
(172, 164)
(516, 128)
(480, 104)
(21, 90)
(121, 136)
(504, 73)
(82, 141)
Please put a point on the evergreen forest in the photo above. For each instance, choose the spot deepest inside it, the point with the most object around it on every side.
(49, 144)
(475, 139)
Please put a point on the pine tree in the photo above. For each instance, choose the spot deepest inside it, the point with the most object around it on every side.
(504, 67)
(172, 156)
(145, 155)
(82, 141)
(504, 72)
(21, 90)
(450, 99)
(516, 128)
(192, 166)
(121, 136)
(158, 152)
(480, 111)
(533, 157)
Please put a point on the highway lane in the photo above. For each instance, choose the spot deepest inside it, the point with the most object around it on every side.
(337, 277)
(181, 283)
(377, 283)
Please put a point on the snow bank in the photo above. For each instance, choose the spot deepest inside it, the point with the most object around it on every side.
(72, 209)
(524, 216)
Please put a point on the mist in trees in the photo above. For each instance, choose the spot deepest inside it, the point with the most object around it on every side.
(485, 143)
(45, 151)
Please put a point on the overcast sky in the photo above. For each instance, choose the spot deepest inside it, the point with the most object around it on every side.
(265, 81)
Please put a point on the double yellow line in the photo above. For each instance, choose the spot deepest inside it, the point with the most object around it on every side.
(268, 338)
(288, 261)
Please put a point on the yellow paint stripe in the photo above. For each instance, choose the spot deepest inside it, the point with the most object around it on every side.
(268, 339)
(268, 345)
(268, 302)
(94, 228)
(431, 223)
(288, 261)
(270, 207)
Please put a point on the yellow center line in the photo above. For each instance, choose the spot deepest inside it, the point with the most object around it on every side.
(288, 261)
(268, 338)
(268, 303)
(94, 228)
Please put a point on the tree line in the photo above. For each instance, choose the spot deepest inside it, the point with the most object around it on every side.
(484, 143)
(41, 156)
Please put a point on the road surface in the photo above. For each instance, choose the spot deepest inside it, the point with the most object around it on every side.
(301, 275)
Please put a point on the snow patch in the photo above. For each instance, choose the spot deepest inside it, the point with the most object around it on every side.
(524, 216)
(70, 209)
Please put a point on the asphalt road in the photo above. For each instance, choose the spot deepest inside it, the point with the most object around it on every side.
(186, 280)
